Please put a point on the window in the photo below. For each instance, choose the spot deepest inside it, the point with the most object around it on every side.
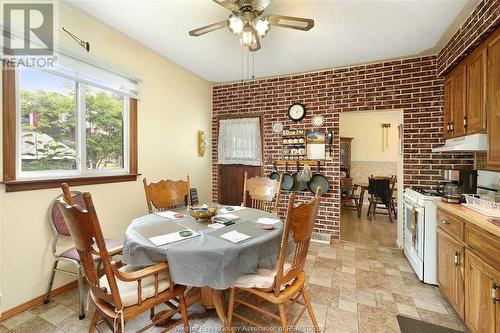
(240, 141)
(71, 124)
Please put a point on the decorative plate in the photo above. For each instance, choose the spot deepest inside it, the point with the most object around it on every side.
(277, 127)
(318, 121)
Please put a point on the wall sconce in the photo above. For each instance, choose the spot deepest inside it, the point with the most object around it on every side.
(202, 143)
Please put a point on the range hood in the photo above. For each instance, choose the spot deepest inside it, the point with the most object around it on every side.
(469, 143)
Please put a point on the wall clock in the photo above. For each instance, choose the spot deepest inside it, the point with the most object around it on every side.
(296, 112)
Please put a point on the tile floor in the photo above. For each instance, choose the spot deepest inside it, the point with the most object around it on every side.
(354, 287)
(379, 231)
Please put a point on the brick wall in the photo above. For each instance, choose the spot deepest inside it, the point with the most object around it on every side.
(483, 20)
(410, 84)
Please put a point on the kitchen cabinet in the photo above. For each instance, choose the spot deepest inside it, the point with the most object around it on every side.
(455, 102)
(493, 101)
(448, 85)
(450, 270)
(475, 119)
(482, 305)
(468, 266)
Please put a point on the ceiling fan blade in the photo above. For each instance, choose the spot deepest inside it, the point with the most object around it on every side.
(260, 5)
(256, 45)
(291, 22)
(228, 4)
(208, 28)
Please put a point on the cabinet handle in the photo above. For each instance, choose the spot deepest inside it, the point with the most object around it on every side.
(445, 222)
(451, 127)
(466, 122)
(494, 288)
(457, 258)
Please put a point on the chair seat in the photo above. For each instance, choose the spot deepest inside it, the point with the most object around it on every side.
(128, 290)
(264, 278)
(73, 254)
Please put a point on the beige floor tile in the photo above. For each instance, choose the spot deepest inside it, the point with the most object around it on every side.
(431, 306)
(348, 269)
(42, 308)
(384, 295)
(57, 314)
(441, 319)
(74, 325)
(35, 325)
(328, 263)
(342, 279)
(389, 306)
(321, 277)
(390, 271)
(374, 320)
(408, 310)
(323, 295)
(18, 319)
(348, 306)
(401, 299)
(374, 280)
(340, 321)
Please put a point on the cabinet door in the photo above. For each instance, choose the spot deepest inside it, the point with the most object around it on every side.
(480, 308)
(476, 91)
(447, 109)
(493, 103)
(458, 102)
(449, 270)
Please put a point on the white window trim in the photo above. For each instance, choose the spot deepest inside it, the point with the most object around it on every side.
(82, 170)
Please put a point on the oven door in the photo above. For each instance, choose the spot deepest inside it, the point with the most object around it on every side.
(414, 219)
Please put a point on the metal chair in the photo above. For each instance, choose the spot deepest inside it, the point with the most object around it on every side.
(60, 229)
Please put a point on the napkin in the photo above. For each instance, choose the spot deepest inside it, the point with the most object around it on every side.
(234, 236)
(169, 214)
(172, 237)
(216, 225)
(268, 220)
(225, 210)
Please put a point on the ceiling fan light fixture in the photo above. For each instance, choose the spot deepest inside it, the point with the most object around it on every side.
(235, 24)
(261, 25)
(247, 36)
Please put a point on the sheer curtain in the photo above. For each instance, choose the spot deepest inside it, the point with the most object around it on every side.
(240, 141)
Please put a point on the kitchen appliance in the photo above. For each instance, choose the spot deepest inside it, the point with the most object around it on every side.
(468, 143)
(456, 183)
(419, 219)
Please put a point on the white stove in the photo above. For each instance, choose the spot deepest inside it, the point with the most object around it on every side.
(419, 229)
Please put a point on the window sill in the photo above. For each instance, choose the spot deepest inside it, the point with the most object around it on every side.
(40, 184)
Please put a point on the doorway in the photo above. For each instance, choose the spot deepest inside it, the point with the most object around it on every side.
(371, 147)
(239, 150)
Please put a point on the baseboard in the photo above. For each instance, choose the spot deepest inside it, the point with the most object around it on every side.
(36, 301)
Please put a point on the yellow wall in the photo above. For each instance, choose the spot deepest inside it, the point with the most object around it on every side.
(174, 104)
(366, 129)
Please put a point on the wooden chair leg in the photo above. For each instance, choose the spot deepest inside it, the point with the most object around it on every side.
(93, 322)
(368, 213)
(184, 314)
(307, 299)
(284, 320)
(390, 214)
(230, 308)
(358, 207)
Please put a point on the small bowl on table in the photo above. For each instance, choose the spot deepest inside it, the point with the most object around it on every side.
(203, 212)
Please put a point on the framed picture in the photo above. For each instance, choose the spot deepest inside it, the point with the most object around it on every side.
(316, 137)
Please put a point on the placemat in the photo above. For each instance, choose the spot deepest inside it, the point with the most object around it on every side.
(246, 227)
(158, 228)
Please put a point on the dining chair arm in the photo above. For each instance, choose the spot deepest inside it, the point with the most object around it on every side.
(140, 274)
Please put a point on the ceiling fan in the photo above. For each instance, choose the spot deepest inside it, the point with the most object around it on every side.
(248, 22)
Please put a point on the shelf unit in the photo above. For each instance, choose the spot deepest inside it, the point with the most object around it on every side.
(288, 146)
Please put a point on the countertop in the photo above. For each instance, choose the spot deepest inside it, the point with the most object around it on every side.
(470, 216)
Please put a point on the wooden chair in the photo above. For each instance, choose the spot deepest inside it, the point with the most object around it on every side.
(121, 293)
(350, 198)
(264, 193)
(167, 194)
(60, 230)
(377, 201)
(286, 283)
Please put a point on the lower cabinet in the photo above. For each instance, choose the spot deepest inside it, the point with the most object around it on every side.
(450, 270)
(482, 306)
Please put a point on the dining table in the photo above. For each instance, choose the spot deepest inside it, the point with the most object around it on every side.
(208, 263)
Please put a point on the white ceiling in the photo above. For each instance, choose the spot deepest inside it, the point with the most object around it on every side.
(346, 32)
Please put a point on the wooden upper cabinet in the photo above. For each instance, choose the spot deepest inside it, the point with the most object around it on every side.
(450, 270)
(481, 309)
(459, 102)
(493, 102)
(447, 109)
(476, 91)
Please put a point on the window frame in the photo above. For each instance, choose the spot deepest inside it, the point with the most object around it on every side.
(15, 180)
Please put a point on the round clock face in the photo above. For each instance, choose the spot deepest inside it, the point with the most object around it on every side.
(296, 112)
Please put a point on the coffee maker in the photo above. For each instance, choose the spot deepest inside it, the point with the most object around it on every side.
(457, 182)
